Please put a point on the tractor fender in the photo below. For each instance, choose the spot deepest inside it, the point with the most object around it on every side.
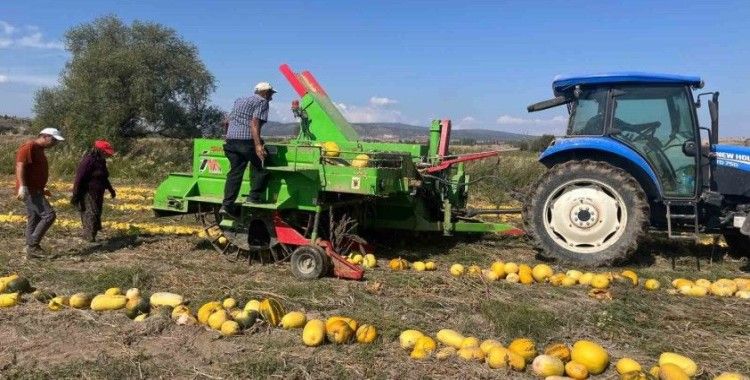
(608, 150)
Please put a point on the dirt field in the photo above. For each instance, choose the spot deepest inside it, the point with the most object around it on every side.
(38, 343)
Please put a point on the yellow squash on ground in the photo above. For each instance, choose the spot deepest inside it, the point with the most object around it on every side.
(408, 338)
(9, 299)
(576, 371)
(685, 363)
(166, 299)
(366, 334)
(229, 328)
(314, 333)
(457, 270)
(205, 311)
(547, 365)
(542, 272)
(339, 332)
(293, 320)
(103, 302)
(217, 319)
(591, 355)
(524, 347)
(79, 301)
(626, 365)
(558, 350)
(271, 311)
(450, 338)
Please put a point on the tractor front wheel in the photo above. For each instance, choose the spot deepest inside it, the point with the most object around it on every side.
(309, 262)
(587, 213)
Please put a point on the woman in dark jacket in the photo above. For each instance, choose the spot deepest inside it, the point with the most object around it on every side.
(92, 178)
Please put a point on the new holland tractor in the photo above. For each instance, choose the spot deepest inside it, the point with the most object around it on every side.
(635, 158)
(325, 184)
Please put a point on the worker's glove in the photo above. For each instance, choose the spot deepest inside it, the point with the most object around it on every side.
(112, 193)
(23, 192)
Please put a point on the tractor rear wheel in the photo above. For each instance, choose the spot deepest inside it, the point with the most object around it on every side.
(587, 213)
(738, 244)
(309, 262)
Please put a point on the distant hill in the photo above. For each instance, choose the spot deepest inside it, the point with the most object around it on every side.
(14, 124)
(399, 131)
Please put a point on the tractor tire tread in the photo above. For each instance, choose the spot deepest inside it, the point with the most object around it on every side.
(620, 251)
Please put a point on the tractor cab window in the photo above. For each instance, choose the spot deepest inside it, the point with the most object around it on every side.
(587, 113)
(656, 122)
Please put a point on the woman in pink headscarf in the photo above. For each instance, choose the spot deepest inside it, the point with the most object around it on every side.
(92, 179)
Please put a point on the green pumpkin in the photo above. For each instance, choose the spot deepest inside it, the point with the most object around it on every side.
(20, 285)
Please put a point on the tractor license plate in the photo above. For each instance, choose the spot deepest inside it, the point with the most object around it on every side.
(739, 221)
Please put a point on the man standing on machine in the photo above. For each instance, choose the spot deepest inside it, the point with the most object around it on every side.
(243, 145)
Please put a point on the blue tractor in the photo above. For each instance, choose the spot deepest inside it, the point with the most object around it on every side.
(634, 159)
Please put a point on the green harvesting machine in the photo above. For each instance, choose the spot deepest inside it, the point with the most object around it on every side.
(326, 185)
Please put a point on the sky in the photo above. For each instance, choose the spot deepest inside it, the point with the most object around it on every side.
(477, 63)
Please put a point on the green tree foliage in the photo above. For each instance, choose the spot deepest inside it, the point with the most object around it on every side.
(127, 81)
(536, 145)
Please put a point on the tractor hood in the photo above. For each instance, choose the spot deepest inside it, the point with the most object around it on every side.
(733, 170)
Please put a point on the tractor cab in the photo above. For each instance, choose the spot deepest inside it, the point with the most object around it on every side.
(635, 157)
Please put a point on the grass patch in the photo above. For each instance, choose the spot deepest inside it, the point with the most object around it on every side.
(517, 319)
(101, 280)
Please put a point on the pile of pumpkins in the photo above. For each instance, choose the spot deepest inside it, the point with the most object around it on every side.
(336, 330)
(584, 359)
(399, 264)
(225, 317)
(738, 287)
(12, 287)
(368, 261)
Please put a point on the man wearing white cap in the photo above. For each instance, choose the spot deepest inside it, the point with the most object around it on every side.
(32, 173)
(244, 145)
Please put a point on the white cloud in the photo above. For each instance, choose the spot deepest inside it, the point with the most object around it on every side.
(376, 101)
(370, 114)
(280, 111)
(7, 28)
(33, 80)
(466, 123)
(29, 37)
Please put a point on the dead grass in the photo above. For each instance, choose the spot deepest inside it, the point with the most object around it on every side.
(82, 344)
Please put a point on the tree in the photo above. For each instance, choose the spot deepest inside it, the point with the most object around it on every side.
(127, 81)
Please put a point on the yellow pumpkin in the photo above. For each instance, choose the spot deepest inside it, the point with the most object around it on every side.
(103, 302)
(500, 357)
(742, 284)
(366, 334)
(419, 354)
(361, 161)
(524, 347)
(499, 268)
(680, 282)
(600, 281)
(489, 344)
(450, 338)
(113, 292)
(229, 303)
(470, 341)
(179, 311)
(586, 278)
(418, 266)
(314, 333)
(408, 338)
(558, 350)
(512, 278)
(568, 281)
(702, 282)
(205, 311)
(489, 275)
(293, 320)
(651, 284)
(626, 365)
(229, 328)
(591, 355)
(430, 266)
(630, 275)
(573, 273)
(511, 268)
(331, 149)
(457, 270)
(369, 261)
(471, 354)
(339, 332)
(79, 301)
(354, 325)
(271, 311)
(10, 299)
(542, 272)
(556, 279)
(685, 363)
(252, 305)
(166, 299)
(474, 270)
(731, 376)
(547, 365)
(576, 370)
(723, 288)
(398, 264)
(217, 319)
(671, 371)
(425, 343)
(525, 277)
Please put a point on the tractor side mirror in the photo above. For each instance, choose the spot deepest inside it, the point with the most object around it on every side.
(689, 148)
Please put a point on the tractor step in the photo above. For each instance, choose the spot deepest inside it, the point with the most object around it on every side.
(672, 217)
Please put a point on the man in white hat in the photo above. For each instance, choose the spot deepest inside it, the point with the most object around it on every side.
(32, 173)
(244, 145)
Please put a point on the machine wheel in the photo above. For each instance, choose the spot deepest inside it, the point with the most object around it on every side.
(309, 263)
(739, 244)
(586, 212)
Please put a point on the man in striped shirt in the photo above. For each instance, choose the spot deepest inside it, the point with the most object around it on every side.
(244, 145)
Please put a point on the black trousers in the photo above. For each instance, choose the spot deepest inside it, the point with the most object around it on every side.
(91, 215)
(240, 153)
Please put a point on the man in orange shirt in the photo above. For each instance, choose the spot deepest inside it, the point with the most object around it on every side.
(32, 173)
